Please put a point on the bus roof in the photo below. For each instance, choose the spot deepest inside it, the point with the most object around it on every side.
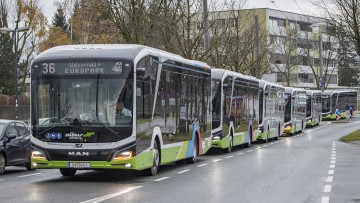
(109, 51)
(264, 83)
(330, 92)
(291, 90)
(217, 73)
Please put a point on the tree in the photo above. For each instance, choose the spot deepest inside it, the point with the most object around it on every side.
(59, 19)
(345, 15)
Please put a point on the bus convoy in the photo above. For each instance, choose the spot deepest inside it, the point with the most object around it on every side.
(135, 107)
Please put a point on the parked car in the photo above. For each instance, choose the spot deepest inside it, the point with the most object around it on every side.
(14, 144)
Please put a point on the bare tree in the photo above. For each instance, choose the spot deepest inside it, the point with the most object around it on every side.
(346, 16)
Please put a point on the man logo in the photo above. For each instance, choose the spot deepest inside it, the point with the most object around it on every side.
(78, 145)
(78, 153)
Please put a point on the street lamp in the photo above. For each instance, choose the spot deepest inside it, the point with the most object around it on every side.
(15, 34)
(321, 78)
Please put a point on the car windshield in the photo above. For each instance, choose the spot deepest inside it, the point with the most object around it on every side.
(2, 127)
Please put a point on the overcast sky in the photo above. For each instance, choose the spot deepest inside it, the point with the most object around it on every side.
(303, 7)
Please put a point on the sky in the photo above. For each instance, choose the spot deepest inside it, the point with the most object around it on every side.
(297, 6)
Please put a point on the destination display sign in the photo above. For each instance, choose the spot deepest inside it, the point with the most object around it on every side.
(82, 68)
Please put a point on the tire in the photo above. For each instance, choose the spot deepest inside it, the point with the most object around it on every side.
(28, 166)
(2, 164)
(231, 144)
(193, 159)
(156, 161)
(67, 171)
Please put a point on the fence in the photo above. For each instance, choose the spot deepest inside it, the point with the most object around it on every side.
(7, 107)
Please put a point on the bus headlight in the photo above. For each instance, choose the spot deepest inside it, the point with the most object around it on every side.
(35, 154)
(122, 155)
(216, 138)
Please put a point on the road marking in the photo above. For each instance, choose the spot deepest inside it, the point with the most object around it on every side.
(228, 157)
(281, 141)
(276, 142)
(330, 179)
(258, 148)
(333, 154)
(109, 196)
(201, 165)
(34, 174)
(249, 150)
(1, 180)
(333, 149)
(265, 145)
(184, 171)
(333, 161)
(332, 166)
(271, 143)
(331, 172)
(240, 153)
(325, 199)
(160, 179)
(216, 160)
(333, 157)
(327, 188)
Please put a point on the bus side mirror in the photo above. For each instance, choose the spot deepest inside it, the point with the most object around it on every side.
(140, 71)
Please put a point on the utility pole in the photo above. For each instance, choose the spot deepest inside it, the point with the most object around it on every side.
(206, 26)
(321, 78)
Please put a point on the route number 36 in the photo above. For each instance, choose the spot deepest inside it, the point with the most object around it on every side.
(48, 68)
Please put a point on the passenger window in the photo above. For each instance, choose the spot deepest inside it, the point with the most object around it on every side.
(11, 130)
(23, 130)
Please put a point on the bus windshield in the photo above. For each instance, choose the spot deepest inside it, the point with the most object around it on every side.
(325, 104)
(65, 104)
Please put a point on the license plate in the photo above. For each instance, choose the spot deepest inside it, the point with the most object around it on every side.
(78, 165)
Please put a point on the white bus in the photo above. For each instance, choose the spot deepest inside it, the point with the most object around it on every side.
(235, 109)
(338, 99)
(295, 110)
(117, 107)
(313, 107)
(271, 111)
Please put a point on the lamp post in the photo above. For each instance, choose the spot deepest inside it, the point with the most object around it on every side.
(321, 78)
(15, 36)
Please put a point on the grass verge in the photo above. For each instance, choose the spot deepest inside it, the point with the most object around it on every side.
(354, 136)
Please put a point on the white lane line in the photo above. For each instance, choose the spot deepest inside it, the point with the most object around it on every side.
(332, 166)
(257, 147)
(276, 142)
(1, 180)
(249, 150)
(240, 153)
(325, 199)
(265, 145)
(333, 154)
(333, 148)
(160, 179)
(330, 179)
(109, 196)
(184, 171)
(327, 188)
(228, 157)
(333, 161)
(271, 143)
(333, 157)
(216, 160)
(331, 172)
(34, 174)
(281, 141)
(201, 165)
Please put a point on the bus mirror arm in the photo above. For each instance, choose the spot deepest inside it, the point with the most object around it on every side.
(140, 71)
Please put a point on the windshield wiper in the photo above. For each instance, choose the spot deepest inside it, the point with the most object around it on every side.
(102, 125)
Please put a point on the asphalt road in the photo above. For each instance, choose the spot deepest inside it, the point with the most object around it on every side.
(309, 167)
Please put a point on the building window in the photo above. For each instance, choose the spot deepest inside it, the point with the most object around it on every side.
(233, 22)
(277, 22)
(333, 79)
(220, 22)
(199, 25)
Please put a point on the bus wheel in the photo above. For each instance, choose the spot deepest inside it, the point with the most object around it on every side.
(2, 164)
(193, 159)
(231, 144)
(156, 160)
(28, 166)
(67, 171)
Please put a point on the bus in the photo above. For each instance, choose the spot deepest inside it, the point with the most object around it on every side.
(271, 111)
(338, 99)
(78, 97)
(235, 115)
(295, 110)
(313, 107)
